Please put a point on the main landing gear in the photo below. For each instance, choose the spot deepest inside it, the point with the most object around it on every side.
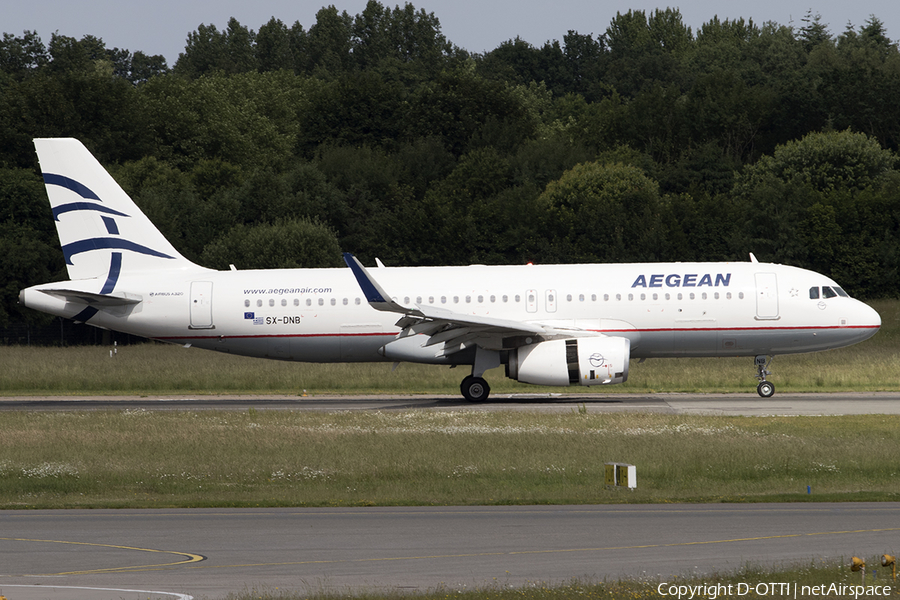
(474, 389)
(766, 389)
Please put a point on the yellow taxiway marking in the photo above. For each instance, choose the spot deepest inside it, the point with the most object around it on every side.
(189, 557)
(561, 550)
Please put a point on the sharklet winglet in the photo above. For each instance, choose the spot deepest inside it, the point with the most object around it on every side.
(374, 293)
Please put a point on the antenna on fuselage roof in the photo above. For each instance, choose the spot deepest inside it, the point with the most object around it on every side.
(753, 258)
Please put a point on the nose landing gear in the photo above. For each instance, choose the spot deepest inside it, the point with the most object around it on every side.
(765, 389)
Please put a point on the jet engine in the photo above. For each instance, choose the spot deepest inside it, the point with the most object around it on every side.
(585, 361)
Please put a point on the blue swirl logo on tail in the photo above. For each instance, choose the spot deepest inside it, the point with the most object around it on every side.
(70, 250)
(101, 243)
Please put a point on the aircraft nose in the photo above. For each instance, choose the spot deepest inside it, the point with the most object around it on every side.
(867, 320)
(872, 317)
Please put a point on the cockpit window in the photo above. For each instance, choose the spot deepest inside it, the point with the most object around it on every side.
(827, 292)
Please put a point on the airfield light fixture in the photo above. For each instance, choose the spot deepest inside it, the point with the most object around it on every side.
(889, 561)
(858, 564)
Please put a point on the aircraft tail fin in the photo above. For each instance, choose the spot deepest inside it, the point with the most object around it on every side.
(102, 231)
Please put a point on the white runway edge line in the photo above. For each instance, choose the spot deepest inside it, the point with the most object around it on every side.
(175, 595)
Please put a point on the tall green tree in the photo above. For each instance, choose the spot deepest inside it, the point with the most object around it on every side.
(646, 50)
(247, 119)
(29, 249)
(601, 212)
(21, 56)
(208, 50)
(291, 244)
(273, 49)
(815, 203)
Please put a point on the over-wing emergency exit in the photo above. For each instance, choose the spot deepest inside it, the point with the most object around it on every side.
(552, 325)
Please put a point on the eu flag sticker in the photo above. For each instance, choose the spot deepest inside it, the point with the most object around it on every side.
(249, 315)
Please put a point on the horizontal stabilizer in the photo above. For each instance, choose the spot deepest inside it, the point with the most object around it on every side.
(92, 299)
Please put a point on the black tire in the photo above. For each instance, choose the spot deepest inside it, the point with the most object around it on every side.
(765, 389)
(475, 389)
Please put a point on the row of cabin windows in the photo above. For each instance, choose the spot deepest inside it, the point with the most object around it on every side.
(516, 298)
(309, 302)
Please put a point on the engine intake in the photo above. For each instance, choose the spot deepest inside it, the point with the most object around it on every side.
(585, 361)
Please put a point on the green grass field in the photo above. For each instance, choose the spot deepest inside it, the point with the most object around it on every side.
(138, 458)
(873, 365)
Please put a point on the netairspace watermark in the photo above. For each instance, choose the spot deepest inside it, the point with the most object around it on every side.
(770, 589)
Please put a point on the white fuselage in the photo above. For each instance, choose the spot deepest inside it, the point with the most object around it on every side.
(320, 315)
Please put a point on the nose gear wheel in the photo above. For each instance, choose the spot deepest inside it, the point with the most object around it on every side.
(766, 389)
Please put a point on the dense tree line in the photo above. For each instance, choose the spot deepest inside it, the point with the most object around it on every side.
(375, 134)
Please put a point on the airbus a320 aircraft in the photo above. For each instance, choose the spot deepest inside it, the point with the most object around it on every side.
(553, 325)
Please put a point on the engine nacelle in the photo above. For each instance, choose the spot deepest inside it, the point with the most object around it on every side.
(586, 361)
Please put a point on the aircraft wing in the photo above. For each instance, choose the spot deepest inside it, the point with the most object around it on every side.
(455, 330)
